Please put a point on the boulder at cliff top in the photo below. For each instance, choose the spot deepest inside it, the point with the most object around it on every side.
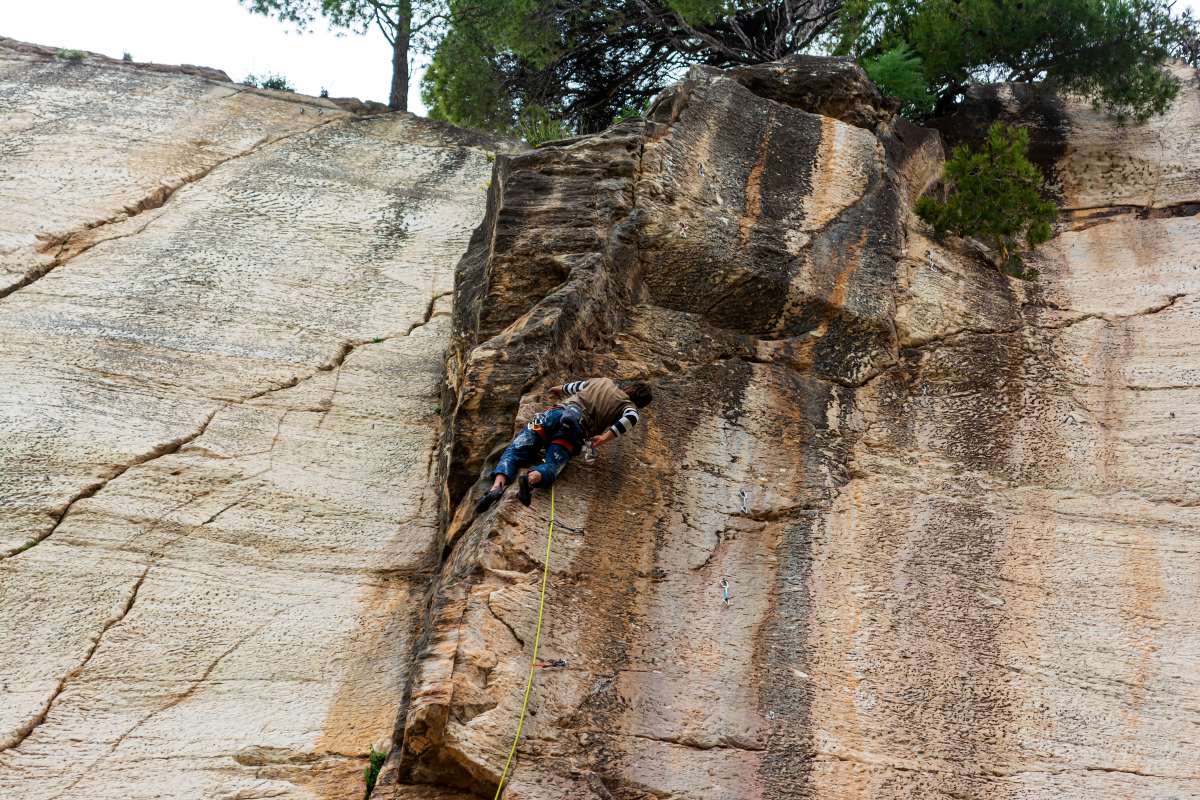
(831, 87)
(956, 511)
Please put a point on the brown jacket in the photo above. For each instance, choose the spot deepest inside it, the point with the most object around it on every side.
(602, 402)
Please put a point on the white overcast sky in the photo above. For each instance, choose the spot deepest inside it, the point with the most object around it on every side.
(211, 33)
(221, 34)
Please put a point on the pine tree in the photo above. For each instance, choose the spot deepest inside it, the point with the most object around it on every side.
(995, 194)
(406, 24)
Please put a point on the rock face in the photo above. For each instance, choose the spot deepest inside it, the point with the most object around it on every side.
(957, 512)
(221, 327)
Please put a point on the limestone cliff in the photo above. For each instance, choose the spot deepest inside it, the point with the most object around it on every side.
(956, 511)
(237, 548)
(222, 313)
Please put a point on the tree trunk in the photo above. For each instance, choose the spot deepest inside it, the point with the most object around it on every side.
(398, 99)
(946, 104)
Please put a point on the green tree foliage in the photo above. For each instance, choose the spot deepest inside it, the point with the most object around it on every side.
(994, 195)
(742, 31)
(632, 112)
(586, 60)
(1109, 50)
(899, 73)
(581, 61)
(406, 24)
(269, 80)
(1184, 39)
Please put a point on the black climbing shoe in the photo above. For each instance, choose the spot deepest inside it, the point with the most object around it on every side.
(488, 500)
(524, 491)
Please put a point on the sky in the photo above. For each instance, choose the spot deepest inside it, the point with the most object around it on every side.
(222, 34)
(213, 33)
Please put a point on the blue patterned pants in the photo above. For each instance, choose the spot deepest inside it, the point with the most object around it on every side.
(559, 430)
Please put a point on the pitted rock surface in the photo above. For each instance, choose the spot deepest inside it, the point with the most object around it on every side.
(216, 428)
(956, 511)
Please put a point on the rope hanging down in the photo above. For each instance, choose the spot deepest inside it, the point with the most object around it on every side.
(537, 638)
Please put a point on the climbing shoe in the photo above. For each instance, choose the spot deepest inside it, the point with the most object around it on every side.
(524, 490)
(488, 500)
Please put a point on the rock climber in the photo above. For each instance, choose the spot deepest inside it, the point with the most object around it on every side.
(596, 410)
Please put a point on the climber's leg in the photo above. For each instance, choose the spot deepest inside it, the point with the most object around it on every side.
(523, 450)
(557, 456)
(543, 475)
(566, 437)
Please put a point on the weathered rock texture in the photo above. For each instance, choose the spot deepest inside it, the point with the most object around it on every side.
(957, 512)
(221, 326)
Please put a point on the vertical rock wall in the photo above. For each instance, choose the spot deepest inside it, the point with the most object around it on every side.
(956, 510)
(220, 352)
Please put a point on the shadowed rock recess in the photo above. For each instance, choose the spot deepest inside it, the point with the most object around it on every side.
(957, 512)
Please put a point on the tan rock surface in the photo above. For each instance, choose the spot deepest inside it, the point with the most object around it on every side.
(90, 144)
(957, 511)
(216, 429)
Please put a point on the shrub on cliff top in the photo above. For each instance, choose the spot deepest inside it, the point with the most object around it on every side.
(994, 195)
(536, 125)
(269, 81)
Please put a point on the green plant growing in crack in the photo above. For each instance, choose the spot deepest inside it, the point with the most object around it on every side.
(71, 55)
(371, 772)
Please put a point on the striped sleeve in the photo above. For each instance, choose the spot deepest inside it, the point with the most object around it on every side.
(574, 387)
(626, 421)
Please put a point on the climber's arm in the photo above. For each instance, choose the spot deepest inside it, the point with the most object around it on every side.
(567, 389)
(629, 417)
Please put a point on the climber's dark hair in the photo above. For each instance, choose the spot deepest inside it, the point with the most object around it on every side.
(639, 393)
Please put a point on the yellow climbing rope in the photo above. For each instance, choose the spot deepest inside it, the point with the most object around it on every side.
(537, 638)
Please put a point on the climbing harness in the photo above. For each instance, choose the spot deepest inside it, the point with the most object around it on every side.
(533, 661)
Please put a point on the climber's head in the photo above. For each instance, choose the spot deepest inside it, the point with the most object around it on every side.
(639, 393)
